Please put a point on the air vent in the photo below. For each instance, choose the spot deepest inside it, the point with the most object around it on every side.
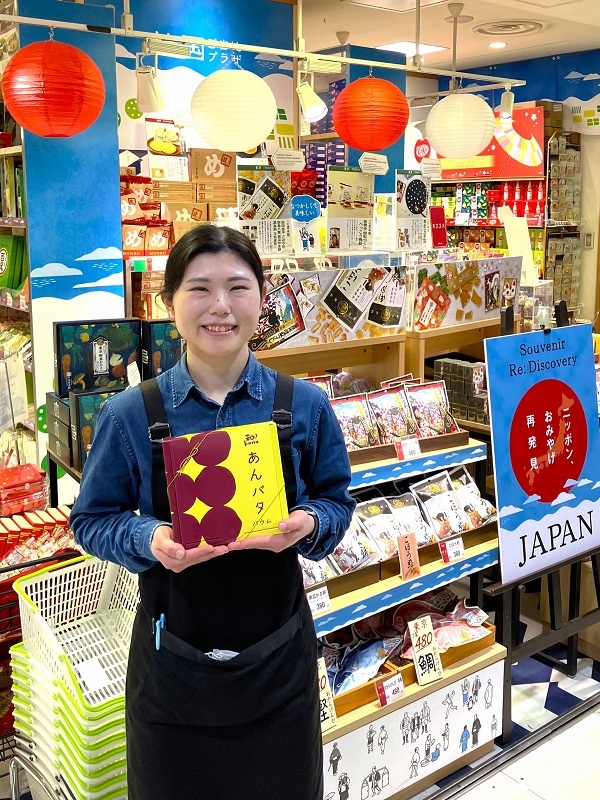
(508, 27)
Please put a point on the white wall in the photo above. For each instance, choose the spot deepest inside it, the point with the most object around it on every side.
(590, 205)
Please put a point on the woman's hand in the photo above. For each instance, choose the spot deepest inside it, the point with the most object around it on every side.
(174, 556)
(297, 526)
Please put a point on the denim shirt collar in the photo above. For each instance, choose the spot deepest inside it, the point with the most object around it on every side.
(182, 383)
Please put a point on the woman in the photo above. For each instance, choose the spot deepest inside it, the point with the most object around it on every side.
(242, 722)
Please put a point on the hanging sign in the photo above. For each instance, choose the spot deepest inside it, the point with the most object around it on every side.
(374, 163)
(390, 690)
(326, 704)
(288, 160)
(544, 421)
(410, 568)
(428, 664)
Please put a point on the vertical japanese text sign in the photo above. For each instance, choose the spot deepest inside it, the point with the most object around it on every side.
(544, 419)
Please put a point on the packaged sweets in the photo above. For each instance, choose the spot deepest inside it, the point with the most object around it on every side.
(356, 549)
(323, 382)
(393, 415)
(477, 508)
(314, 572)
(355, 420)
(429, 404)
(442, 507)
(408, 516)
(378, 518)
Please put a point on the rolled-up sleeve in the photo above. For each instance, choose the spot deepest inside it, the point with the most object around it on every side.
(325, 469)
(103, 519)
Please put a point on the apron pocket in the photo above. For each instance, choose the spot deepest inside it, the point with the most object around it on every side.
(183, 686)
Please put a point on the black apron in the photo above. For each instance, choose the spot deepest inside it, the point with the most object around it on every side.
(202, 729)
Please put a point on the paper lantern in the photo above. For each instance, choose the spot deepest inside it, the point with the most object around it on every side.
(460, 126)
(234, 110)
(53, 89)
(370, 114)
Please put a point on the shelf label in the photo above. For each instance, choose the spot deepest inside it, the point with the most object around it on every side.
(407, 448)
(374, 163)
(452, 549)
(428, 664)
(431, 168)
(319, 600)
(390, 690)
(326, 704)
(288, 160)
(409, 556)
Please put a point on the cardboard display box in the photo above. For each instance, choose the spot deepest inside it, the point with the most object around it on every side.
(162, 347)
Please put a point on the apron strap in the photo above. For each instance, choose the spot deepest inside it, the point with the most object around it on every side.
(282, 417)
(158, 429)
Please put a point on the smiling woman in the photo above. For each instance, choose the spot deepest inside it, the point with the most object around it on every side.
(187, 703)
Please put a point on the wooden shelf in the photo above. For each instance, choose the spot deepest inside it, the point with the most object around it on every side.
(474, 427)
(16, 150)
(481, 552)
(320, 137)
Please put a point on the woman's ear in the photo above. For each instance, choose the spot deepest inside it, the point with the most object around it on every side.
(264, 292)
(169, 307)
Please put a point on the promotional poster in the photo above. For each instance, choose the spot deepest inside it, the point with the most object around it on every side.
(544, 417)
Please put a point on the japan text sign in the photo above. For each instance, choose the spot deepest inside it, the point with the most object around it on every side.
(544, 418)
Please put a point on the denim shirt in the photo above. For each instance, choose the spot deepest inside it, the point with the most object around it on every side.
(117, 478)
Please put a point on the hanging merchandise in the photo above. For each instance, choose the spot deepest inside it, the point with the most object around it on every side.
(53, 89)
(460, 126)
(234, 110)
(370, 114)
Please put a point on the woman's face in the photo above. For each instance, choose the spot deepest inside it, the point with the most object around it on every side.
(217, 305)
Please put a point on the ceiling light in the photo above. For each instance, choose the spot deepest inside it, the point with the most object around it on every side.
(507, 102)
(410, 48)
(163, 48)
(497, 45)
(149, 97)
(313, 107)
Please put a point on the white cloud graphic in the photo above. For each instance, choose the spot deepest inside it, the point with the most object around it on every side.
(476, 452)
(533, 499)
(428, 463)
(369, 475)
(563, 497)
(584, 482)
(572, 75)
(569, 483)
(53, 270)
(504, 512)
(415, 585)
(268, 57)
(102, 252)
(123, 52)
(110, 280)
(593, 76)
(387, 596)
(596, 485)
(287, 66)
(359, 608)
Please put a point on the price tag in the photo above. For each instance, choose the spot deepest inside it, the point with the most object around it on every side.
(452, 549)
(133, 374)
(407, 448)
(326, 704)
(374, 163)
(288, 160)
(409, 556)
(319, 600)
(390, 690)
(428, 664)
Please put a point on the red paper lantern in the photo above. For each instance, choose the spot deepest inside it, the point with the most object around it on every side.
(370, 114)
(53, 89)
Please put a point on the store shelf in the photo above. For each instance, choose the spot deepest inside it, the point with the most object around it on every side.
(16, 150)
(393, 470)
(12, 222)
(29, 424)
(474, 427)
(75, 474)
(481, 552)
(320, 137)
(10, 298)
(488, 222)
(146, 263)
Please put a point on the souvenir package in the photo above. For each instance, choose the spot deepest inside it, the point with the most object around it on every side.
(378, 519)
(356, 422)
(431, 305)
(356, 549)
(162, 347)
(393, 415)
(388, 308)
(323, 382)
(408, 516)
(354, 291)
(270, 193)
(477, 508)
(344, 384)
(442, 507)
(95, 354)
(362, 663)
(429, 404)
(280, 319)
(22, 488)
(225, 485)
(314, 572)
(393, 382)
(85, 409)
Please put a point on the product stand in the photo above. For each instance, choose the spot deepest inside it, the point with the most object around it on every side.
(54, 462)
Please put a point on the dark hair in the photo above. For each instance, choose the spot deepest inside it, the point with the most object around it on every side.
(209, 239)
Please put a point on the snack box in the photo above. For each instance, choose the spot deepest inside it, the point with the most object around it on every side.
(162, 347)
(94, 354)
(59, 430)
(58, 408)
(60, 449)
(85, 410)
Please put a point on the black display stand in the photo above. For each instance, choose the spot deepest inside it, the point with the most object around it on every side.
(54, 462)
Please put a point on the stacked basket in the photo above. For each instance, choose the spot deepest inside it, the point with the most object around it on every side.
(69, 677)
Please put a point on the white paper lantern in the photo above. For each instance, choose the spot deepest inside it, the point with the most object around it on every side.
(234, 110)
(460, 126)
